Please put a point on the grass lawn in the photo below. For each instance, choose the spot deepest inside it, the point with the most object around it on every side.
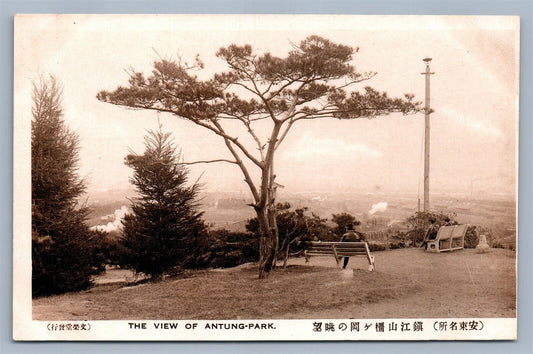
(407, 283)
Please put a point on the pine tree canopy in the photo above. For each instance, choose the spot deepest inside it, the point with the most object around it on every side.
(63, 248)
(164, 224)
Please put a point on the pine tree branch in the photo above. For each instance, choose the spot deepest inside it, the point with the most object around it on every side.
(208, 161)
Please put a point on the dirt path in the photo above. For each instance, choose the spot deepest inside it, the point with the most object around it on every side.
(461, 283)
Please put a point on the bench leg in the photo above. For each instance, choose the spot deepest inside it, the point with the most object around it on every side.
(372, 266)
(338, 260)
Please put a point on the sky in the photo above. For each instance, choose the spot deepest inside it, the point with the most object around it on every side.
(474, 95)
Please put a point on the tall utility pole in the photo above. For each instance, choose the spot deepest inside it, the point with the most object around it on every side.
(427, 110)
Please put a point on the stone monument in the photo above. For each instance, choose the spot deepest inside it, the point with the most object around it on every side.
(483, 246)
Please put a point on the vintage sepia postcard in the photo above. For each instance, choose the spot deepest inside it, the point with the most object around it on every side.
(265, 177)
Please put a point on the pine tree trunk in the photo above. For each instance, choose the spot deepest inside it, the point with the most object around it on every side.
(268, 242)
(266, 209)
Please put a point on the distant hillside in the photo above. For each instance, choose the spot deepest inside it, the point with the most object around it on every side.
(108, 196)
(229, 210)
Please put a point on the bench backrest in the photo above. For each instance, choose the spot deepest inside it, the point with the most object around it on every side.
(445, 232)
(452, 231)
(338, 248)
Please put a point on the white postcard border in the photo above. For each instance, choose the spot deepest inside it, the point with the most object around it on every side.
(273, 330)
(24, 328)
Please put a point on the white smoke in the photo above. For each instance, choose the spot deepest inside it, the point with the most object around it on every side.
(116, 224)
(381, 206)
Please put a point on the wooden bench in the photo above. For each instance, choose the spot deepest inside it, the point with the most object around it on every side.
(448, 238)
(339, 250)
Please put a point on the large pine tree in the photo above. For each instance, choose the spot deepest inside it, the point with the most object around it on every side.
(63, 247)
(162, 231)
(266, 96)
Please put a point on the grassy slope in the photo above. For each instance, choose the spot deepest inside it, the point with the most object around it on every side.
(407, 283)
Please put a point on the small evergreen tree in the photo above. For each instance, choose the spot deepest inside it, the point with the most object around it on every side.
(64, 252)
(161, 232)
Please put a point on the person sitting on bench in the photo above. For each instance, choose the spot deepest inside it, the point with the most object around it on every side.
(350, 236)
(431, 233)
